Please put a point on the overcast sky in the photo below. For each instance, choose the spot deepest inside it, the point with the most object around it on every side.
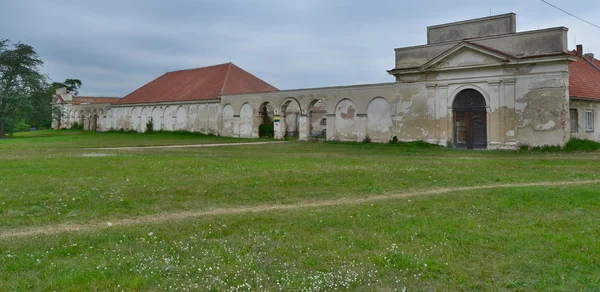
(116, 46)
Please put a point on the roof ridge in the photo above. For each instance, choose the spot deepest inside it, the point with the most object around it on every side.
(226, 77)
(242, 69)
(205, 67)
(591, 63)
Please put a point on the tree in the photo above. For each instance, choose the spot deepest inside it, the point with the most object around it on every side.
(20, 79)
(72, 86)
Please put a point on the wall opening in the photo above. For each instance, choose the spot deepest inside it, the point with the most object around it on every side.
(290, 114)
(470, 120)
(267, 116)
(317, 120)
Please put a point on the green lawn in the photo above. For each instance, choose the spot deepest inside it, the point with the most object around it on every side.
(520, 238)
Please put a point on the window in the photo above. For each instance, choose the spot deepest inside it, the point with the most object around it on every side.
(324, 122)
(589, 121)
(574, 120)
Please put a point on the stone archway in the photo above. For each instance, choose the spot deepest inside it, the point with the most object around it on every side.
(290, 116)
(266, 126)
(470, 120)
(317, 115)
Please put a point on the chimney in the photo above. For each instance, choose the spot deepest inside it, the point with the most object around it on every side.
(579, 51)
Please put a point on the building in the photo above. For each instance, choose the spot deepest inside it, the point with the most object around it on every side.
(476, 84)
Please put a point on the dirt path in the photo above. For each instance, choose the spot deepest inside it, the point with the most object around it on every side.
(187, 215)
(186, 146)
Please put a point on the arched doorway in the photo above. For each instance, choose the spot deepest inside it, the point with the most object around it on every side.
(267, 115)
(317, 118)
(470, 120)
(290, 114)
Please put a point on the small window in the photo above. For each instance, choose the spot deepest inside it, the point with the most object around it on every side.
(324, 122)
(589, 118)
(574, 120)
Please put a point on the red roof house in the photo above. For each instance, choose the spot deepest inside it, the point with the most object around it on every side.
(584, 78)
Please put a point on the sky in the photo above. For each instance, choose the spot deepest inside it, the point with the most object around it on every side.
(116, 46)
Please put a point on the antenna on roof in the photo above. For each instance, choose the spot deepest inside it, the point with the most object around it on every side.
(490, 11)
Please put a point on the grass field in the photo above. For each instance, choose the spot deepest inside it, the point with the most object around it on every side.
(293, 216)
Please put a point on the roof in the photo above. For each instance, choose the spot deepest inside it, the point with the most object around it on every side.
(207, 83)
(584, 78)
(93, 100)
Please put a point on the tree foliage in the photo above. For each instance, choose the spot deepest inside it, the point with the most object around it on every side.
(21, 83)
(72, 86)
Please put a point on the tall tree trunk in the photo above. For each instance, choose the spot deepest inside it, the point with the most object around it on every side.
(1, 129)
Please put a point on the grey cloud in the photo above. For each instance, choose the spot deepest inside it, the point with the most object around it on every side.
(117, 46)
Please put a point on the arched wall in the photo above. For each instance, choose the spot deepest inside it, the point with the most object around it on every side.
(156, 118)
(379, 120)
(168, 120)
(145, 118)
(228, 122)
(181, 118)
(246, 121)
(346, 127)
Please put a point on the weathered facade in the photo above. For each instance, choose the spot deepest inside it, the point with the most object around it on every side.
(476, 84)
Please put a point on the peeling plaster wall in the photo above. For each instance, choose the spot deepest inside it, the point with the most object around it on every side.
(582, 106)
(202, 118)
(379, 120)
(346, 126)
(542, 107)
(246, 121)
(228, 121)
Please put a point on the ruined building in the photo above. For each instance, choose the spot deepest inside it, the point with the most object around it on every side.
(476, 84)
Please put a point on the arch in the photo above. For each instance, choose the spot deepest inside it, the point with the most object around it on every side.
(145, 118)
(290, 116)
(109, 119)
(379, 119)
(135, 118)
(469, 111)
(168, 119)
(461, 88)
(181, 116)
(345, 120)
(266, 113)
(316, 112)
(246, 120)
(156, 118)
(228, 121)
(94, 121)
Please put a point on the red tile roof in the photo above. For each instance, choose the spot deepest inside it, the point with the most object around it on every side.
(584, 78)
(205, 83)
(93, 100)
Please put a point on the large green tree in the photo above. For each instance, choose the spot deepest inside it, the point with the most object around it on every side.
(20, 80)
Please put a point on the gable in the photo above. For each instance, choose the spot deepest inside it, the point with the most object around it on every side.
(466, 55)
(467, 58)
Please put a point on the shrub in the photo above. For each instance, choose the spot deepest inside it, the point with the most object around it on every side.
(546, 148)
(149, 126)
(394, 140)
(266, 130)
(418, 144)
(76, 126)
(582, 145)
(21, 126)
(367, 139)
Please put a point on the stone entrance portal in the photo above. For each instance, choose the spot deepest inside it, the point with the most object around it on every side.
(470, 120)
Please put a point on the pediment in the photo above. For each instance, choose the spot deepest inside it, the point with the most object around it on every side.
(466, 55)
